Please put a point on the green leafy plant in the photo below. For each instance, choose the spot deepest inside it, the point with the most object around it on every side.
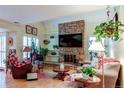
(109, 29)
(88, 71)
(44, 51)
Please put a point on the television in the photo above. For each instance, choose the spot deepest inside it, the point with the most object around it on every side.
(70, 40)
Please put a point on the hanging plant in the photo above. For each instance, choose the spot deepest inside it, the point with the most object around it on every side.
(46, 42)
(109, 29)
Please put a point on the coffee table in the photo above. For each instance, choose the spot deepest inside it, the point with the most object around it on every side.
(90, 83)
(61, 73)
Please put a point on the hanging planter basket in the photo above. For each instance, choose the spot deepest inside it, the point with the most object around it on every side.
(109, 29)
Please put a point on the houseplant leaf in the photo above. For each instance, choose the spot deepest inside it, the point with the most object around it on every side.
(109, 29)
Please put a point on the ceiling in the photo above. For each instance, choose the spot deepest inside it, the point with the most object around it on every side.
(25, 14)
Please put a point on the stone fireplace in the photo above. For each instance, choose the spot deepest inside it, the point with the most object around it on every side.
(70, 54)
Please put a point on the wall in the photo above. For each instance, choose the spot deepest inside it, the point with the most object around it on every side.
(13, 35)
(119, 48)
(20, 31)
(91, 20)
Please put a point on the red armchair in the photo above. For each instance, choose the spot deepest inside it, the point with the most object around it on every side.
(19, 70)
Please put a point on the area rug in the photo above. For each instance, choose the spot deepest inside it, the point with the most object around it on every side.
(44, 75)
(41, 75)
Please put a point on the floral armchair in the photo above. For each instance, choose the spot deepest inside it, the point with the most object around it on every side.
(19, 69)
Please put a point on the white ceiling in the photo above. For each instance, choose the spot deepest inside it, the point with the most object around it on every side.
(35, 13)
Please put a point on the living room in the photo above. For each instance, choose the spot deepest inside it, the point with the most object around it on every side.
(41, 28)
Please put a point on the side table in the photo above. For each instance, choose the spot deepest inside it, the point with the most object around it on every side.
(61, 73)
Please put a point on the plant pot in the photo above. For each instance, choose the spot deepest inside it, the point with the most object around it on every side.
(85, 76)
(94, 78)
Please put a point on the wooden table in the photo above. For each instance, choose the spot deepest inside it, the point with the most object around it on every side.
(90, 83)
(61, 73)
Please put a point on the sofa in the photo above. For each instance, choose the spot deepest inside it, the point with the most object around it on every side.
(111, 72)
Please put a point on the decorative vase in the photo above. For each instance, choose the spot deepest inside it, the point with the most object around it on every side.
(85, 76)
(61, 66)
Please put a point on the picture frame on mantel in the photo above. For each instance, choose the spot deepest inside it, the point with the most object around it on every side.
(28, 29)
(34, 31)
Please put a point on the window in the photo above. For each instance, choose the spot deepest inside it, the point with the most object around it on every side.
(108, 44)
(27, 40)
(2, 49)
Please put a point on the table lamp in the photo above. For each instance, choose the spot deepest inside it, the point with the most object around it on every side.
(97, 46)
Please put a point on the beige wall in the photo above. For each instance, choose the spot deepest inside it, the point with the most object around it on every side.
(20, 31)
(119, 46)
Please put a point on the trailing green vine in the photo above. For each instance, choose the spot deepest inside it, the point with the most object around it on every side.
(109, 29)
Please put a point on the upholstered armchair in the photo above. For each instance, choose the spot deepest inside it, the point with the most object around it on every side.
(19, 70)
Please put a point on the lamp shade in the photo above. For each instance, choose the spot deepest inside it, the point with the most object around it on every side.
(97, 46)
(26, 49)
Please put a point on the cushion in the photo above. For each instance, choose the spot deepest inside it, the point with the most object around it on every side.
(13, 59)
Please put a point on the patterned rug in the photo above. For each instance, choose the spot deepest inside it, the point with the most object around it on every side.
(41, 75)
(45, 75)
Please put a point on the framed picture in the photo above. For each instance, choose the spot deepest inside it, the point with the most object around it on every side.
(28, 29)
(34, 31)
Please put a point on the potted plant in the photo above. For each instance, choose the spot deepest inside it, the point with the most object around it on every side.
(87, 72)
(109, 29)
(44, 52)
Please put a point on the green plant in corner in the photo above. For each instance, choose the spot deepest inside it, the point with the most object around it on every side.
(44, 52)
(88, 71)
(110, 29)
